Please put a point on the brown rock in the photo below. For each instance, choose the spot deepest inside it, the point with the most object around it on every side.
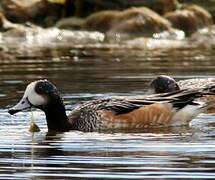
(101, 21)
(38, 11)
(164, 6)
(203, 16)
(134, 21)
(190, 18)
(184, 20)
(6, 25)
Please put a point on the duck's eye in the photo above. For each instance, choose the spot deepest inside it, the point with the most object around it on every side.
(47, 88)
(23, 102)
(44, 87)
(39, 89)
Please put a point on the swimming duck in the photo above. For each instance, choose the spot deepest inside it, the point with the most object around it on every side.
(165, 84)
(135, 112)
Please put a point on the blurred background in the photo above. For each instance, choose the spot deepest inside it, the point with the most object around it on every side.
(69, 13)
(49, 12)
(93, 49)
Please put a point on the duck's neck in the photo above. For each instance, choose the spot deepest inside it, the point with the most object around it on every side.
(56, 117)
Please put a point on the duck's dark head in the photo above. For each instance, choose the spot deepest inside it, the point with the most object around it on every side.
(164, 84)
(37, 94)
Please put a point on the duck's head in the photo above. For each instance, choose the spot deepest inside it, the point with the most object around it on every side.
(37, 94)
(164, 84)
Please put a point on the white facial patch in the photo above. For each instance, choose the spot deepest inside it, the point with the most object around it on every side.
(33, 97)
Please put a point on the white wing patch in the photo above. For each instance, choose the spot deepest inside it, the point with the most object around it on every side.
(185, 115)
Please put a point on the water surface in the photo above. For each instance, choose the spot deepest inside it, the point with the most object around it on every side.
(91, 71)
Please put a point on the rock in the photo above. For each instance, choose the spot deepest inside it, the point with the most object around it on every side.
(101, 21)
(21, 11)
(208, 5)
(15, 10)
(6, 25)
(184, 20)
(164, 6)
(137, 22)
(203, 16)
(190, 18)
(132, 22)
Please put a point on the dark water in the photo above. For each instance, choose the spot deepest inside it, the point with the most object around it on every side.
(89, 72)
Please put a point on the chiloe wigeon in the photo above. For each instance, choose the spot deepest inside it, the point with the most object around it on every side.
(132, 112)
(165, 84)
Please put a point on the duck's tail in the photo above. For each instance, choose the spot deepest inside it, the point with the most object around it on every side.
(186, 114)
(204, 107)
(209, 90)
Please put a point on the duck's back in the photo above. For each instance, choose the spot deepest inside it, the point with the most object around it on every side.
(99, 114)
(195, 83)
(117, 114)
(199, 83)
(140, 112)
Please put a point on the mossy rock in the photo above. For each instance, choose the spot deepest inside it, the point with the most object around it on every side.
(164, 6)
(138, 22)
(204, 17)
(36, 11)
(6, 25)
(190, 18)
(101, 21)
(131, 22)
(148, 19)
(184, 20)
